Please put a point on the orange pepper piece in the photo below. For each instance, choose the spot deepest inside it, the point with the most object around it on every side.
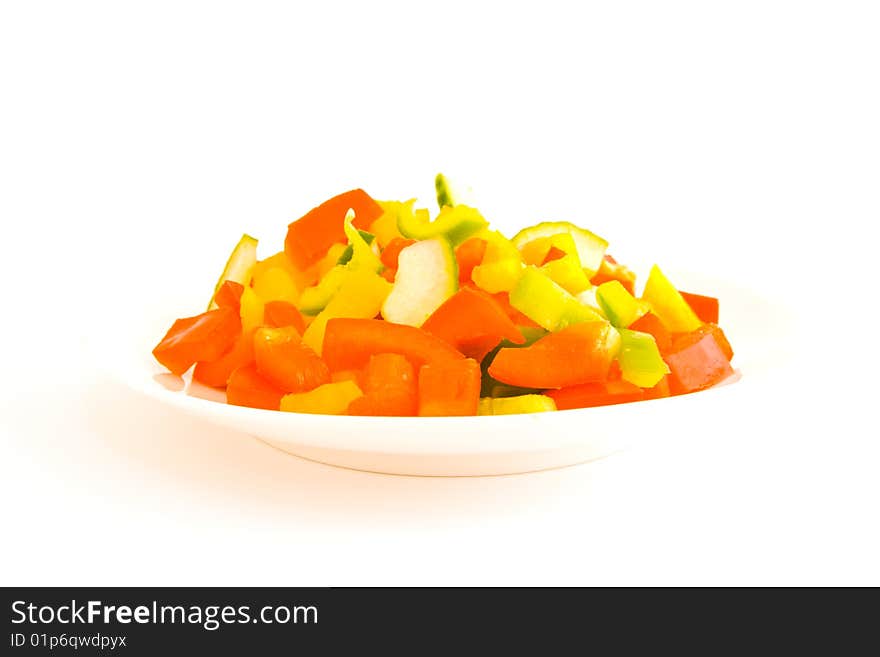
(660, 390)
(471, 318)
(391, 252)
(285, 362)
(217, 372)
(389, 386)
(283, 313)
(450, 388)
(706, 308)
(247, 388)
(229, 294)
(650, 323)
(349, 343)
(310, 236)
(503, 299)
(203, 337)
(581, 353)
(469, 254)
(609, 270)
(587, 395)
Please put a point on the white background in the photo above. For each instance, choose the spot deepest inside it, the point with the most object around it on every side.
(137, 142)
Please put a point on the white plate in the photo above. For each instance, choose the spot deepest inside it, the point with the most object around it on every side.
(458, 446)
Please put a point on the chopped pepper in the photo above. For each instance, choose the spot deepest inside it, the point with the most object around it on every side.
(581, 353)
(587, 395)
(650, 323)
(426, 276)
(247, 388)
(239, 265)
(472, 322)
(546, 303)
(309, 237)
(695, 365)
(204, 337)
(326, 399)
(229, 295)
(610, 270)
(706, 308)
(456, 223)
(285, 362)
(640, 360)
(281, 313)
(469, 254)
(590, 247)
(620, 307)
(216, 373)
(361, 295)
(449, 388)
(668, 304)
(349, 343)
(516, 405)
(389, 385)
(501, 267)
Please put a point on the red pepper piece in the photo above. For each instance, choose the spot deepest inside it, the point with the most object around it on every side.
(660, 390)
(349, 343)
(217, 372)
(285, 362)
(697, 362)
(503, 299)
(450, 388)
(554, 253)
(469, 254)
(247, 388)
(391, 252)
(229, 295)
(683, 340)
(706, 308)
(577, 354)
(587, 395)
(203, 337)
(283, 313)
(472, 318)
(650, 323)
(309, 237)
(389, 386)
(611, 271)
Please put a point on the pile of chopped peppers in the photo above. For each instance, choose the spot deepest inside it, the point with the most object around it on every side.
(375, 308)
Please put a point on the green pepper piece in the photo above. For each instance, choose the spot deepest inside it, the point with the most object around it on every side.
(548, 304)
(445, 193)
(640, 361)
(621, 308)
(349, 250)
(455, 223)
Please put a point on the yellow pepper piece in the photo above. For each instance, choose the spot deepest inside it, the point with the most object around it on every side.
(534, 252)
(327, 263)
(327, 399)
(502, 264)
(361, 295)
(385, 227)
(251, 310)
(275, 284)
(668, 304)
(568, 273)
